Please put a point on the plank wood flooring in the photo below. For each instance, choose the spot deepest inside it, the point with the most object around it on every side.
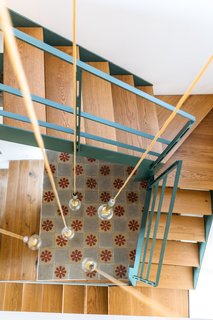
(22, 216)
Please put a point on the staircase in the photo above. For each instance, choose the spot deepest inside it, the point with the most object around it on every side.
(116, 126)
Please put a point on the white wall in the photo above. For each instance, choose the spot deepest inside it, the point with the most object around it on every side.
(14, 151)
(57, 316)
(165, 42)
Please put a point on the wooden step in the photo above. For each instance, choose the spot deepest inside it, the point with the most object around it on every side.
(153, 302)
(147, 114)
(96, 300)
(33, 62)
(196, 153)
(3, 190)
(11, 296)
(197, 105)
(22, 216)
(58, 78)
(97, 100)
(74, 299)
(187, 201)
(181, 228)
(177, 253)
(130, 111)
(41, 298)
(172, 277)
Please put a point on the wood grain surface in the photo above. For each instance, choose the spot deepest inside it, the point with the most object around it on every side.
(33, 63)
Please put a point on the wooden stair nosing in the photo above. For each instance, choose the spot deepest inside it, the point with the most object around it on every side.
(174, 277)
(187, 201)
(181, 228)
(176, 253)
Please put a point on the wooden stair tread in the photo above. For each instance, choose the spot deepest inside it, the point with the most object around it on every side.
(196, 153)
(174, 277)
(126, 107)
(197, 105)
(58, 79)
(97, 100)
(96, 300)
(33, 62)
(73, 299)
(147, 114)
(181, 228)
(187, 201)
(176, 253)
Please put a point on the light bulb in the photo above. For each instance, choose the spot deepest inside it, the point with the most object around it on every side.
(67, 233)
(33, 242)
(74, 203)
(89, 265)
(105, 211)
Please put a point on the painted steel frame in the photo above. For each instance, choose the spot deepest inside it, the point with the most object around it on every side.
(136, 273)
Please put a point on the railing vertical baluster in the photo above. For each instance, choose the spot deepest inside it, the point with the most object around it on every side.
(149, 228)
(168, 221)
(142, 232)
(156, 227)
(78, 107)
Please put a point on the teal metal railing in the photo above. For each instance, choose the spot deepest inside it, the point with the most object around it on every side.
(149, 227)
(82, 66)
(142, 266)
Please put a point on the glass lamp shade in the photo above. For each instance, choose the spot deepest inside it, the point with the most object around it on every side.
(89, 265)
(33, 242)
(67, 233)
(74, 203)
(105, 211)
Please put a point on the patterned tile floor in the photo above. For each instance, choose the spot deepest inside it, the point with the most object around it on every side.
(111, 243)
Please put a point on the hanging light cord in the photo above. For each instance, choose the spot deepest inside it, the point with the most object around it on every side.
(171, 117)
(11, 234)
(12, 49)
(74, 94)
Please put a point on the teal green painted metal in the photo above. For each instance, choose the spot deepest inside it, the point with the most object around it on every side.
(86, 67)
(176, 139)
(54, 39)
(26, 137)
(168, 221)
(84, 115)
(149, 229)
(133, 271)
(48, 125)
(136, 273)
(156, 227)
(208, 221)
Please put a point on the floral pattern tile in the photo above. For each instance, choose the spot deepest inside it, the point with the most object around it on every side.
(112, 243)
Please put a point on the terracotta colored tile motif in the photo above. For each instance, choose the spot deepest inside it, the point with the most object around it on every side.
(111, 243)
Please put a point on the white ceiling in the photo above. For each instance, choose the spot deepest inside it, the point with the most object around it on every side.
(165, 42)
